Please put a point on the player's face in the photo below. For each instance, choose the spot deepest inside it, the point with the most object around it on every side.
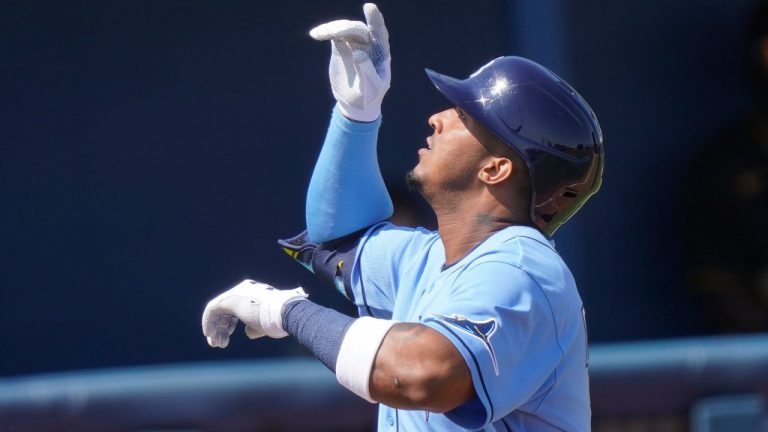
(451, 159)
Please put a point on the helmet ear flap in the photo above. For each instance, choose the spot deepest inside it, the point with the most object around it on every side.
(545, 121)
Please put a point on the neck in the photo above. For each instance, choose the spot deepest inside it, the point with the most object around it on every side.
(462, 231)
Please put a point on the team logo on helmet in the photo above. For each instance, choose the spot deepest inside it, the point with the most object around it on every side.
(482, 330)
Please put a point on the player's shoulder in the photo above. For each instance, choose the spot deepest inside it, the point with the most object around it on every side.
(519, 245)
(393, 242)
(525, 253)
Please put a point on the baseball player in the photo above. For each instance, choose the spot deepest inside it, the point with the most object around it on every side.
(479, 325)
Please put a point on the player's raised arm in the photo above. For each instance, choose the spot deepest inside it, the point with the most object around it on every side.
(346, 192)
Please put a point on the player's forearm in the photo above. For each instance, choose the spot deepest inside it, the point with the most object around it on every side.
(418, 368)
(346, 192)
(403, 365)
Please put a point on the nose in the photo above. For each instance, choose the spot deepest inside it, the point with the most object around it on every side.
(435, 122)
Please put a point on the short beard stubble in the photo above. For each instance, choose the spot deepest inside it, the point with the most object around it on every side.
(413, 182)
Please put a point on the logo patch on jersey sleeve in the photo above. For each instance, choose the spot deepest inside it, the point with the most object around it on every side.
(482, 330)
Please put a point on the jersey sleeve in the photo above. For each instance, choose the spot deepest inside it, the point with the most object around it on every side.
(382, 254)
(501, 322)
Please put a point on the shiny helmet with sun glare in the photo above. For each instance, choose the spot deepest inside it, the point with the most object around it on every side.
(543, 120)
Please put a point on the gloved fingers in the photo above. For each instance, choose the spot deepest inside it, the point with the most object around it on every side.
(207, 322)
(341, 49)
(216, 324)
(228, 324)
(218, 341)
(254, 333)
(341, 57)
(367, 73)
(351, 31)
(376, 26)
(223, 327)
(384, 72)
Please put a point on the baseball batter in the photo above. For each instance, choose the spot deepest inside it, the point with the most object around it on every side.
(478, 326)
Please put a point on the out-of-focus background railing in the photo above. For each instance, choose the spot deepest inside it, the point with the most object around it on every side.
(151, 153)
(700, 385)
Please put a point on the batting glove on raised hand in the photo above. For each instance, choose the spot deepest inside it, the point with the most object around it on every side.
(359, 69)
(259, 306)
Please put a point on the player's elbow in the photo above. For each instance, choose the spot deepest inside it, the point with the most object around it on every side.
(439, 393)
(431, 386)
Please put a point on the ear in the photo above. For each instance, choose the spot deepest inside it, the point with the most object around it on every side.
(496, 170)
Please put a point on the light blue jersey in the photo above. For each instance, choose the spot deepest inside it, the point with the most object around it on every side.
(510, 307)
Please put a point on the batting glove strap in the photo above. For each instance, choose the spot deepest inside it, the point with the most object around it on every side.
(271, 316)
(358, 352)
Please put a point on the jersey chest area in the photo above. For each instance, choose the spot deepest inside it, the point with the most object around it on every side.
(425, 287)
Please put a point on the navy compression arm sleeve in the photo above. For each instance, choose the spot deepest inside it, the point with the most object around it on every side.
(347, 192)
(317, 328)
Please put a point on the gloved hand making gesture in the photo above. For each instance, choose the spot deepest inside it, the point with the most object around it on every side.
(259, 306)
(359, 69)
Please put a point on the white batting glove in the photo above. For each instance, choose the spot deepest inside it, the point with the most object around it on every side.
(259, 306)
(359, 69)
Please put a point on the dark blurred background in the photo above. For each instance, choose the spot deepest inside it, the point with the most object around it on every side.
(151, 153)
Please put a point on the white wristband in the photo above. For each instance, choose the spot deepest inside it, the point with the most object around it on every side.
(357, 353)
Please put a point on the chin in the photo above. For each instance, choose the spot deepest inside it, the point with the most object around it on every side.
(413, 181)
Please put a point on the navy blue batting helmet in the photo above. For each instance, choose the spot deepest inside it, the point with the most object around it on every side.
(543, 120)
